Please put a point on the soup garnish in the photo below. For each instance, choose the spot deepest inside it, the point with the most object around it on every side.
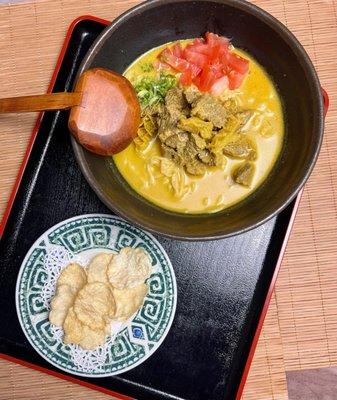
(209, 64)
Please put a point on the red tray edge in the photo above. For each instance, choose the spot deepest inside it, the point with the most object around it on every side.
(10, 204)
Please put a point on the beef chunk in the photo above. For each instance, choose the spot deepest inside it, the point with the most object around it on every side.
(244, 173)
(192, 94)
(208, 108)
(176, 104)
(243, 148)
(195, 167)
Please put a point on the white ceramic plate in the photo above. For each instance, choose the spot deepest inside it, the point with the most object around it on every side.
(78, 239)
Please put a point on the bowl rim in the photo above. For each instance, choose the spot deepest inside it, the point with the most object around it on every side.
(285, 34)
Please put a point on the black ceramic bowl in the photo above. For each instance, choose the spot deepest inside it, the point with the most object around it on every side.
(159, 21)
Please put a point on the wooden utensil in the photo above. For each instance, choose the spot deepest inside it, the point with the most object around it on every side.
(105, 112)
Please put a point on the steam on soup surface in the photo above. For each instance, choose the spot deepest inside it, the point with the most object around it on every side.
(212, 126)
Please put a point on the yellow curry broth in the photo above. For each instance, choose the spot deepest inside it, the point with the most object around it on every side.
(215, 190)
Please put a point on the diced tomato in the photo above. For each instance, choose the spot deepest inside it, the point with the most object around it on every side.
(195, 70)
(201, 48)
(207, 78)
(224, 41)
(235, 79)
(186, 78)
(198, 41)
(165, 53)
(211, 38)
(196, 81)
(223, 54)
(176, 63)
(159, 65)
(189, 70)
(195, 58)
(219, 86)
(179, 64)
(238, 63)
(209, 64)
(217, 51)
(177, 50)
(217, 69)
(217, 46)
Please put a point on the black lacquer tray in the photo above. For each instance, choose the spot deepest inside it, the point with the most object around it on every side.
(224, 286)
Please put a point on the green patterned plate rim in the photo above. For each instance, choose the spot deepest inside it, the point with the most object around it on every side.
(77, 239)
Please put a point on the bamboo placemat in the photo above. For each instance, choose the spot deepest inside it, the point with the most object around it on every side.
(300, 330)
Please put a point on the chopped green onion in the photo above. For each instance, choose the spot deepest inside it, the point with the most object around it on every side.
(151, 91)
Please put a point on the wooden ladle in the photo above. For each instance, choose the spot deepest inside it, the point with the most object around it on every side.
(105, 112)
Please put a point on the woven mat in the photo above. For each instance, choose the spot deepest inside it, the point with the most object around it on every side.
(300, 330)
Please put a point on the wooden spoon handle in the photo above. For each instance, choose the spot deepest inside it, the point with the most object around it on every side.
(43, 102)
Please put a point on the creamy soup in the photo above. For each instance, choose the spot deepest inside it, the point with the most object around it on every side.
(218, 186)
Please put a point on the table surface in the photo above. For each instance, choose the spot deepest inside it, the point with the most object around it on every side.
(300, 330)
